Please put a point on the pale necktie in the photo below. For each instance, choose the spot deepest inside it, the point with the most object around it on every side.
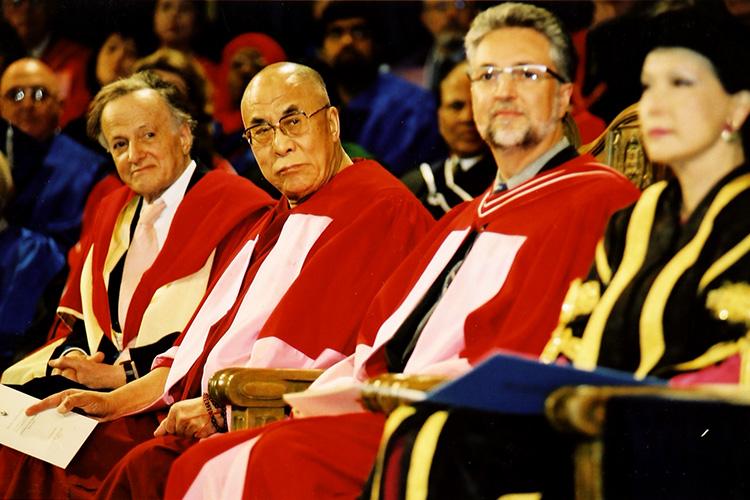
(141, 254)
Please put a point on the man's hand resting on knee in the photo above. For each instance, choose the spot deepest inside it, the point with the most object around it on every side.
(90, 371)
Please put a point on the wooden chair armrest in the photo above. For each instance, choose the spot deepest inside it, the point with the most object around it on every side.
(256, 394)
(582, 409)
(385, 393)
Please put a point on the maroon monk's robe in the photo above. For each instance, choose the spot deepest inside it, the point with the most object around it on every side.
(309, 274)
(532, 241)
(169, 291)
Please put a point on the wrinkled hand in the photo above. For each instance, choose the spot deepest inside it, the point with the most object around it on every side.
(188, 418)
(95, 404)
(89, 370)
(66, 372)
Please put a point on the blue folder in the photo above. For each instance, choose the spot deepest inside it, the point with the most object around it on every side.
(511, 384)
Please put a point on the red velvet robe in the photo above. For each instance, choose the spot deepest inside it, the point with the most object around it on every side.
(208, 213)
(373, 223)
(534, 240)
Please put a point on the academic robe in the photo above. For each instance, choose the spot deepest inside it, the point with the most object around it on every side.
(654, 275)
(530, 242)
(168, 292)
(644, 309)
(293, 296)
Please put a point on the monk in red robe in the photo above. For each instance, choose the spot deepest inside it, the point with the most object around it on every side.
(492, 275)
(293, 295)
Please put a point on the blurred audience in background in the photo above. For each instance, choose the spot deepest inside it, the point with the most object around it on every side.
(33, 22)
(386, 115)
(469, 169)
(32, 273)
(177, 25)
(185, 73)
(241, 59)
(52, 173)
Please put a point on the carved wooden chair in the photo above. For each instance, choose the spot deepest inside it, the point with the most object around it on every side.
(256, 394)
(621, 148)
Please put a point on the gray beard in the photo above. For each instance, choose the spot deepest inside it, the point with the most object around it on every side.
(499, 139)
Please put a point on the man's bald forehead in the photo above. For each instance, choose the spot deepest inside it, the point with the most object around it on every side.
(285, 74)
(27, 68)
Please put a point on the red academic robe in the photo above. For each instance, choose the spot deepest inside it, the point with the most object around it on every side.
(309, 274)
(206, 216)
(533, 240)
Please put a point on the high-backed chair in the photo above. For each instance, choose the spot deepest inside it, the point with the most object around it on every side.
(621, 148)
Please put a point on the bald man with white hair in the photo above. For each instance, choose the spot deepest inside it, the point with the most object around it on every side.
(293, 296)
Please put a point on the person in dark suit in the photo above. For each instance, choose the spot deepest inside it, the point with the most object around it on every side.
(468, 169)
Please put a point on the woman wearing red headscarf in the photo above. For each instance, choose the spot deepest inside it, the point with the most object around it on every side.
(241, 59)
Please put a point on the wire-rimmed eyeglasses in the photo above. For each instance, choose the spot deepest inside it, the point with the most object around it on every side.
(294, 124)
(521, 73)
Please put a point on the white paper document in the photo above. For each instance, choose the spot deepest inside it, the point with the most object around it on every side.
(48, 436)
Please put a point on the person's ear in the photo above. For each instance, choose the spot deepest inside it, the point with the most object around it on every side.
(564, 95)
(740, 109)
(332, 119)
(186, 139)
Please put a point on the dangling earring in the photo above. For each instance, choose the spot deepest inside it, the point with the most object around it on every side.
(729, 134)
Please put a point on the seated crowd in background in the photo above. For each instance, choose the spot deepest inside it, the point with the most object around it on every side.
(176, 199)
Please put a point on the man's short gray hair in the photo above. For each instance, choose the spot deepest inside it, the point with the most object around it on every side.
(519, 15)
(139, 81)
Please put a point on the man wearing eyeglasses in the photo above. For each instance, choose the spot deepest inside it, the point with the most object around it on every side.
(53, 173)
(492, 275)
(292, 295)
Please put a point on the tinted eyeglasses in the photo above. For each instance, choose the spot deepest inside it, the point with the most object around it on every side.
(36, 94)
(294, 124)
(522, 73)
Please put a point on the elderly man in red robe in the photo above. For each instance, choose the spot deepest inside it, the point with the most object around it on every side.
(492, 275)
(293, 294)
(118, 311)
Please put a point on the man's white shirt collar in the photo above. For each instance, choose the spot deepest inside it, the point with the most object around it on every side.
(172, 198)
(465, 164)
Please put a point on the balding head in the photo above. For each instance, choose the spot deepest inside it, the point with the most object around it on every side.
(286, 74)
(293, 130)
(30, 98)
